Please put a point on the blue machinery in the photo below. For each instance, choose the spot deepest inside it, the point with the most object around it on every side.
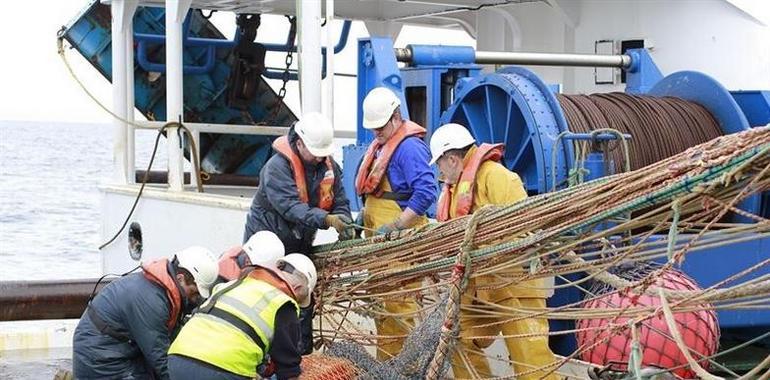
(439, 84)
(207, 57)
(442, 84)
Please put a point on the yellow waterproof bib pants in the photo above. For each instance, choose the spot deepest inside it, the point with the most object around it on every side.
(526, 353)
(378, 213)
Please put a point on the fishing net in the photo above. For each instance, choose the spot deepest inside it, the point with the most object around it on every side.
(662, 212)
(410, 364)
(323, 367)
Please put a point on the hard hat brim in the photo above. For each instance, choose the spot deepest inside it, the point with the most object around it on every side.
(322, 152)
(376, 124)
(434, 159)
(204, 292)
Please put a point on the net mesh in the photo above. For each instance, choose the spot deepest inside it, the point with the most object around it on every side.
(411, 363)
(323, 367)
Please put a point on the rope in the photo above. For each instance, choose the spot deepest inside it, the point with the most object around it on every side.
(674, 330)
(460, 274)
(558, 231)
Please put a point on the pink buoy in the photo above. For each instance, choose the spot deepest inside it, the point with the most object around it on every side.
(699, 329)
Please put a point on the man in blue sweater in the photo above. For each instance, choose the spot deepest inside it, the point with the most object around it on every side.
(398, 185)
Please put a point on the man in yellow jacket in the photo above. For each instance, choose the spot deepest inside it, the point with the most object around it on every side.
(474, 178)
(398, 186)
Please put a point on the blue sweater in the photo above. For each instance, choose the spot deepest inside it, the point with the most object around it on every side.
(409, 173)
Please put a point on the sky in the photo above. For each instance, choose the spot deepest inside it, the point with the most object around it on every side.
(37, 87)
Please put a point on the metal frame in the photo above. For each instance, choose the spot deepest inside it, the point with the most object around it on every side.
(529, 124)
(212, 44)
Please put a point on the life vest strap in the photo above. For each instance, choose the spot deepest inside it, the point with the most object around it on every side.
(394, 196)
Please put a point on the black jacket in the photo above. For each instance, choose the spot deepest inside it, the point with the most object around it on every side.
(133, 306)
(276, 206)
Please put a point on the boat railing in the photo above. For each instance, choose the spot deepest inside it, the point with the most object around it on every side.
(197, 128)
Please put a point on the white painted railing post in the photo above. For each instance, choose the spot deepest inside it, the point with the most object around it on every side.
(130, 129)
(329, 101)
(309, 49)
(122, 15)
(176, 10)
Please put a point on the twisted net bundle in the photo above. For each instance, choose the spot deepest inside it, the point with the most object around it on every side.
(687, 199)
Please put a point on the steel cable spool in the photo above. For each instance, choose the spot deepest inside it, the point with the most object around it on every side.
(660, 127)
(515, 107)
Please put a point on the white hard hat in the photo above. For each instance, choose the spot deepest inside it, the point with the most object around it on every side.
(264, 247)
(448, 137)
(317, 132)
(378, 106)
(304, 265)
(202, 265)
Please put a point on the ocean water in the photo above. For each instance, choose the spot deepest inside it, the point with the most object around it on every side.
(49, 197)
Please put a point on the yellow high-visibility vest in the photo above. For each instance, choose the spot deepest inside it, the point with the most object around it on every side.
(237, 332)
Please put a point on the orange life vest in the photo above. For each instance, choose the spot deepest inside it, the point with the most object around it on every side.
(326, 189)
(228, 264)
(372, 169)
(467, 183)
(157, 272)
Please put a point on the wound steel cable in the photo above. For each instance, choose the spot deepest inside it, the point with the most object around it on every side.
(660, 127)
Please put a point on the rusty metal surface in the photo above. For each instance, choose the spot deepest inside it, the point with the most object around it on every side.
(157, 176)
(33, 300)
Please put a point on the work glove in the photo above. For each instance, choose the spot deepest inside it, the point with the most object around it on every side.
(343, 225)
(360, 217)
(387, 228)
(359, 229)
(266, 369)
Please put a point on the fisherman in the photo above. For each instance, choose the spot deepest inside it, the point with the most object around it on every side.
(248, 327)
(261, 248)
(126, 329)
(398, 186)
(474, 177)
(300, 190)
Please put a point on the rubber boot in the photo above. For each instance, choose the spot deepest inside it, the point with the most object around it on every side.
(306, 315)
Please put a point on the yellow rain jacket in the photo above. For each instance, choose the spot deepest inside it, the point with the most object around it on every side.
(496, 185)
